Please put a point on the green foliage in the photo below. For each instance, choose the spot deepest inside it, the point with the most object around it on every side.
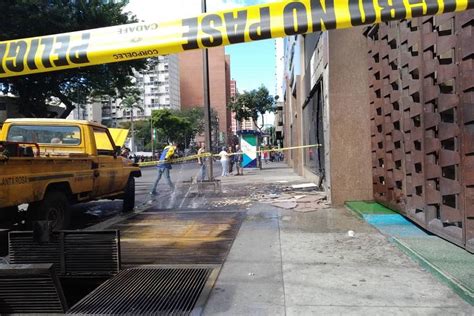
(252, 104)
(195, 116)
(28, 18)
(181, 126)
(131, 99)
(172, 127)
(142, 131)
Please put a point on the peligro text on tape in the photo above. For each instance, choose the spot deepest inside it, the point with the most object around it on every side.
(252, 23)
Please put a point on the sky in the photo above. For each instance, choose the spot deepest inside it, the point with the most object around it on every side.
(252, 64)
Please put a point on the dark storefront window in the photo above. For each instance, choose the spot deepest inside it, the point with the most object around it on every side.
(314, 133)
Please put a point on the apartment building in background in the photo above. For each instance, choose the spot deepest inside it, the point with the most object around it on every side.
(233, 94)
(192, 88)
(160, 89)
(280, 82)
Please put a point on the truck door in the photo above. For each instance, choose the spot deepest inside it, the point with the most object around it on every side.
(107, 173)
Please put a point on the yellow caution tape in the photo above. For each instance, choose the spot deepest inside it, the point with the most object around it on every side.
(207, 155)
(246, 24)
(288, 148)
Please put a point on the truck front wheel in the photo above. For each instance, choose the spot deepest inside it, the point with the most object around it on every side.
(54, 208)
(129, 196)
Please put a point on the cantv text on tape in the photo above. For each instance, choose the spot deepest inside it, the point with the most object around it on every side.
(252, 23)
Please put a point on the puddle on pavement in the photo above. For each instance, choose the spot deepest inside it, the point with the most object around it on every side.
(176, 237)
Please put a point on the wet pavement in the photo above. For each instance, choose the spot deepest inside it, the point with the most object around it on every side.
(177, 237)
(324, 262)
(279, 261)
(287, 262)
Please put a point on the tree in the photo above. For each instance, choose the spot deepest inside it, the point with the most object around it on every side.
(181, 126)
(142, 130)
(28, 18)
(172, 127)
(252, 105)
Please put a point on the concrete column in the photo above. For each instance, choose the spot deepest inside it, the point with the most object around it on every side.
(350, 143)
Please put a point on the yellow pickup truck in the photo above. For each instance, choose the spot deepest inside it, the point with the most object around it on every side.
(52, 163)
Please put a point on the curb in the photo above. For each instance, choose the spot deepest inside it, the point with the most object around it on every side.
(451, 282)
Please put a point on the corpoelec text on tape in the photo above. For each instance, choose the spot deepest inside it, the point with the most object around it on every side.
(252, 23)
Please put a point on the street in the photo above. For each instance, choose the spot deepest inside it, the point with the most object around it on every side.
(87, 214)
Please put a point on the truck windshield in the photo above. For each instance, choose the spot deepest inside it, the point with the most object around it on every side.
(43, 134)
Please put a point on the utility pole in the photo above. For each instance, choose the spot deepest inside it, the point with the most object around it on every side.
(152, 136)
(132, 141)
(207, 105)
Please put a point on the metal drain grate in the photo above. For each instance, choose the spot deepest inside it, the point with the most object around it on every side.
(89, 253)
(30, 289)
(153, 290)
(23, 250)
(74, 253)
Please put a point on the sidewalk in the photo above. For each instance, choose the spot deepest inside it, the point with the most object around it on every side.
(285, 262)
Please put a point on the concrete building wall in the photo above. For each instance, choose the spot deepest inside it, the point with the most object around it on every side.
(191, 83)
(228, 114)
(338, 66)
(174, 85)
(350, 139)
(280, 67)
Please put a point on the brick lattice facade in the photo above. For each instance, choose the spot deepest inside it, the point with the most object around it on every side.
(421, 77)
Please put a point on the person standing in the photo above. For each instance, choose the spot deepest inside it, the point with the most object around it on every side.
(224, 162)
(202, 160)
(265, 154)
(230, 152)
(238, 160)
(164, 167)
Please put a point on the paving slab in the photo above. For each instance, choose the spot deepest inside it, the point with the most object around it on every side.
(370, 285)
(326, 262)
(370, 310)
(449, 263)
(251, 281)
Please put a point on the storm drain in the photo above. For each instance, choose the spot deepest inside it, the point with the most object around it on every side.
(74, 253)
(30, 289)
(156, 290)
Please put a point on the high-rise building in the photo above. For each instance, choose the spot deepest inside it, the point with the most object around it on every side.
(160, 90)
(280, 82)
(236, 125)
(192, 88)
(233, 94)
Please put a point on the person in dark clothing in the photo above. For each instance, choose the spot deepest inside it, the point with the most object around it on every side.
(231, 159)
(238, 158)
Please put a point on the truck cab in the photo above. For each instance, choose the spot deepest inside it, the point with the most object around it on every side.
(52, 163)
